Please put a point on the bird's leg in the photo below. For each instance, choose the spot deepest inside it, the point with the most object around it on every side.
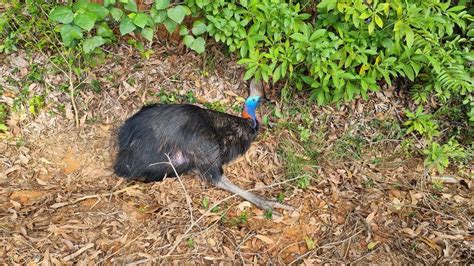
(264, 204)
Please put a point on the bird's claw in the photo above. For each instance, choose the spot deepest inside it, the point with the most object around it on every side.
(269, 205)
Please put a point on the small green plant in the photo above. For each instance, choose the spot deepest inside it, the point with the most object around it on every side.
(143, 209)
(190, 243)
(298, 166)
(243, 217)
(281, 197)
(268, 214)
(35, 103)
(166, 97)
(190, 97)
(421, 123)
(3, 117)
(304, 181)
(368, 183)
(216, 209)
(310, 245)
(348, 146)
(439, 156)
(304, 133)
(205, 203)
(216, 106)
(438, 185)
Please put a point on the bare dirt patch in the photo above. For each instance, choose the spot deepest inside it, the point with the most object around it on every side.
(61, 204)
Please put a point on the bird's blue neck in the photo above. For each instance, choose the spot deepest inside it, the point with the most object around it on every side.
(249, 112)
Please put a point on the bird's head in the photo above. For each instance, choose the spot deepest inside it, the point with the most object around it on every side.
(252, 102)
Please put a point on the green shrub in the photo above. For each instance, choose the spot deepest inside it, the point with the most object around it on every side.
(3, 117)
(91, 24)
(350, 46)
(340, 53)
(421, 123)
(439, 156)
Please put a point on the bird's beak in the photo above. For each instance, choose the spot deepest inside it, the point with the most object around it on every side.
(256, 88)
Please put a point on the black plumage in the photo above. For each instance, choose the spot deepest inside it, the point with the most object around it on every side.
(192, 138)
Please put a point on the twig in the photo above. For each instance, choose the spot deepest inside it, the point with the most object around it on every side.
(121, 248)
(188, 198)
(79, 252)
(73, 101)
(62, 204)
(325, 246)
(211, 208)
(364, 256)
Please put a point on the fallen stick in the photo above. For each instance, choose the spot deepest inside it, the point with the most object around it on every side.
(62, 204)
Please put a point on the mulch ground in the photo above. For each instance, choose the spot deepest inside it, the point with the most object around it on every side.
(61, 204)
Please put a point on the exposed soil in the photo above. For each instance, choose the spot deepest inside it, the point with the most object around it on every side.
(61, 204)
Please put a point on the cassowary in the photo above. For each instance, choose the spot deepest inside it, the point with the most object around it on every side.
(192, 138)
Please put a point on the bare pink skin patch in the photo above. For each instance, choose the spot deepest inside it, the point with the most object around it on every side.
(178, 158)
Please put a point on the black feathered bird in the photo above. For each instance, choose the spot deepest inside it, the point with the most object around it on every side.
(192, 138)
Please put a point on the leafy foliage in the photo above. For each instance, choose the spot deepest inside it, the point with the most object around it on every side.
(421, 123)
(90, 24)
(3, 117)
(439, 156)
(351, 46)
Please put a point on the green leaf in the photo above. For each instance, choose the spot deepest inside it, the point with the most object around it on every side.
(126, 26)
(161, 4)
(3, 127)
(409, 72)
(379, 21)
(299, 37)
(61, 14)
(170, 25)
(158, 16)
(436, 65)
(203, 3)
(199, 27)
(116, 13)
(317, 34)
(80, 5)
(99, 10)
(69, 33)
(250, 72)
(371, 27)
(140, 20)
(104, 31)
(131, 6)
(410, 37)
(147, 33)
(85, 20)
(183, 30)
(109, 2)
(276, 74)
(456, 8)
(245, 61)
(371, 245)
(327, 4)
(90, 44)
(365, 15)
(188, 40)
(198, 45)
(177, 14)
